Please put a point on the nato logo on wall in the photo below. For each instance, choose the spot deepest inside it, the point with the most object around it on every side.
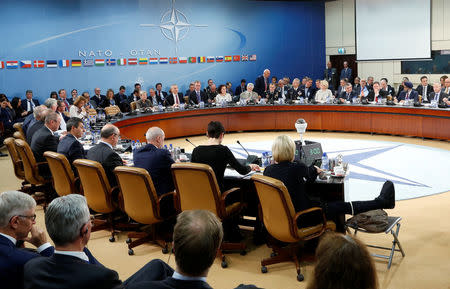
(97, 44)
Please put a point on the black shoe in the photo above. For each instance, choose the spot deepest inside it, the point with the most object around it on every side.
(387, 195)
(3, 155)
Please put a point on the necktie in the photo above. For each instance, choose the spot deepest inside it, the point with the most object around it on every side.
(176, 99)
(376, 98)
(198, 96)
(407, 95)
(436, 97)
(30, 106)
(67, 104)
(348, 96)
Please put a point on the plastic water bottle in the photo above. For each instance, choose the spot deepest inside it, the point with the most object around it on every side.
(138, 144)
(325, 164)
(171, 151)
(133, 145)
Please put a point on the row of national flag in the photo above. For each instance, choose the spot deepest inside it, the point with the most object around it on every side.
(123, 61)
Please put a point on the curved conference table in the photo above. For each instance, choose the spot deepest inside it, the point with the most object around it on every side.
(395, 120)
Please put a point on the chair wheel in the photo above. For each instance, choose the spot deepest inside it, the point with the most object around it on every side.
(273, 254)
(112, 239)
(263, 269)
(224, 264)
(165, 250)
(130, 252)
(300, 277)
(128, 241)
(243, 253)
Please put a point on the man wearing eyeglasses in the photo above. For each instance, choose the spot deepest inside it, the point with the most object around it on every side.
(17, 222)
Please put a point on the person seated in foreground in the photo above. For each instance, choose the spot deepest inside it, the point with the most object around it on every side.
(69, 145)
(223, 95)
(69, 225)
(104, 152)
(348, 94)
(196, 238)
(143, 102)
(198, 95)
(438, 95)
(342, 262)
(271, 94)
(376, 93)
(35, 121)
(293, 175)
(17, 221)
(323, 94)
(249, 94)
(217, 155)
(294, 91)
(408, 93)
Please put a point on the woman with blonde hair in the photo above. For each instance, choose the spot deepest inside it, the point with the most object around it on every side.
(323, 94)
(294, 175)
(343, 262)
(78, 109)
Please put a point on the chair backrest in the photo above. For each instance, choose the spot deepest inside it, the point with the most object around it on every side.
(63, 177)
(197, 188)
(15, 158)
(133, 105)
(277, 209)
(30, 166)
(112, 110)
(18, 127)
(139, 194)
(95, 184)
(92, 111)
(19, 135)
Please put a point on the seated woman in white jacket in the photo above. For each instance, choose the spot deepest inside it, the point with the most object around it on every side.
(223, 95)
(324, 93)
(78, 109)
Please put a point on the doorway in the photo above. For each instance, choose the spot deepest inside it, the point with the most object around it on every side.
(338, 60)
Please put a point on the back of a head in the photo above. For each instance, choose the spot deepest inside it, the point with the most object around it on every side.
(49, 102)
(343, 262)
(13, 203)
(215, 129)
(50, 115)
(64, 218)
(196, 237)
(37, 112)
(108, 130)
(152, 133)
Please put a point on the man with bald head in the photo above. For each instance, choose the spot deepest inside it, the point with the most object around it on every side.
(262, 83)
(438, 95)
(175, 98)
(104, 152)
(156, 160)
(98, 97)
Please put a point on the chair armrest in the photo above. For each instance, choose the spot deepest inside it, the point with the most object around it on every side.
(174, 198)
(226, 193)
(78, 186)
(310, 210)
(41, 163)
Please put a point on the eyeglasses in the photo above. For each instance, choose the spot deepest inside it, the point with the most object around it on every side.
(32, 218)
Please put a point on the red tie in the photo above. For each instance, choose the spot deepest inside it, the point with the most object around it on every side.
(407, 95)
(376, 98)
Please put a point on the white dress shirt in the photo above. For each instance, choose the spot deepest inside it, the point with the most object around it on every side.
(80, 255)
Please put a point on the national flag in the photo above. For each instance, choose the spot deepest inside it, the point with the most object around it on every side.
(110, 62)
(12, 64)
(192, 59)
(132, 61)
(236, 58)
(201, 59)
(122, 61)
(99, 62)
(143, 61)
(25, 64)
(63, 63)
(210, 59)
(2, 65)
(228, 58)
(183, 59)
(219, 58)
(253, 57)
(51, 64)
(173, 60)
(163, 60)
(39, 63)
(88, 62)
(153, 60)
(244, 57)
(76, 62)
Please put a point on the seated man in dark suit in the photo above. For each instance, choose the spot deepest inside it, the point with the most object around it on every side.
(262, 83)
(31, 118)
(438, 96)
(45, 140)
(69, 145)
(104, 153)
(198, 95)
(190, 90)
(241, 88)
(376, 93)
(424, 89)
(309, 92)
(63, 97)
(156, 100)
(17, 220)
(348, 94)
(294, 92)
(39, 115)
(386, 87)
(175, 98)
(407, 93)
(134, 97)
(162, 94)
(73, 266)
(29, 104)
(98, 98)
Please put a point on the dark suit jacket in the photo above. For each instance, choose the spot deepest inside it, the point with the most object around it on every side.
(108, 158)
(164, 94)
(119, 98)
(442, 95)
(310, 94)
(419, 90)
(12, 260)
(412, 95)
(106, 103)
(239, 90)
(24, 103)
(260, 87)
(98, 101)
(158, 99)
(71, 148)
(171, 283)
(33, 129)
(349, 97)
(293, 94)
(346, 73)
(203, 96)
(371, 95)
(171, 101)
(43, 140)
(7, 118)
(27, 122)
(331, 77)
(67, 272)
(390, 90)
(131, 98)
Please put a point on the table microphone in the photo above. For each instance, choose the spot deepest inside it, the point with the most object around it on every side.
(190, 142)
(251, 159)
